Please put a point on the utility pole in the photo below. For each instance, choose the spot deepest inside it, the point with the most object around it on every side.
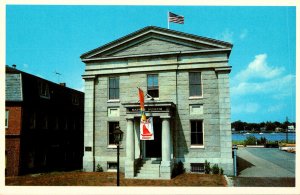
(286, 131)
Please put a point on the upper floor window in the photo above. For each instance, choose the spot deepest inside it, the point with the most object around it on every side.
(44, 121)
(44, 89)
(152, 85)
(6, 118)
(32, 120)
(195, 84)
(114, 89)
(75, 99)
(196, 132)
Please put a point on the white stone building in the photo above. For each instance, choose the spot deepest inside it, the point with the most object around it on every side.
(188, 78)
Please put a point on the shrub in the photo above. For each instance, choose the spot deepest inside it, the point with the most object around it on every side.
(262, 140)
(207, 168)
(250, 140)
(221, 171)
(215, 169)
(178, 169)
(99, 168)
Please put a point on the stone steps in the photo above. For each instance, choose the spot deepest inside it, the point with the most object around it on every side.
(149, 170)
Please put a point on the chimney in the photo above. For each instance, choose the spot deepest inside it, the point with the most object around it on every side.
(62, 84)
(14, 66)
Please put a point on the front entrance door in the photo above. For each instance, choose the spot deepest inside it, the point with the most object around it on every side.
(153, 147)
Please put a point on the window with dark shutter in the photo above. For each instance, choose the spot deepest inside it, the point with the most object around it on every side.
(114, 88)
(195, 84)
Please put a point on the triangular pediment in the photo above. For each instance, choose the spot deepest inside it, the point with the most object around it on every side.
(153, 41)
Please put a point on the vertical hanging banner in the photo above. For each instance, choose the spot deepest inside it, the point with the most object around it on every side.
(146, 125)
(146, 129)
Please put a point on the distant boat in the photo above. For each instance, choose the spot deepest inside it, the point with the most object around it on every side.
(261, 133)
(247, 133)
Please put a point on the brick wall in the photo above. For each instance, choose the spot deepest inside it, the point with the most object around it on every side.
(12, 140)
(12, 153)
(14, 120)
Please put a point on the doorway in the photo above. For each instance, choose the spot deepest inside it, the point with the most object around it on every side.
(153, 147)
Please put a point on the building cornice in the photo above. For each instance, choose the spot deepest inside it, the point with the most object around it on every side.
(204, 51)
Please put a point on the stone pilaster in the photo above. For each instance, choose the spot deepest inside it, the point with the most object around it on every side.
(89, 112)
(226, 161)
(129, 163)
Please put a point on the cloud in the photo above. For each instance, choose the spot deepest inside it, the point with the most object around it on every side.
(259, 68)
(25, 66)
(275, 108)
(243, 34)
(227, 36)
(249, 107)
(280, 86)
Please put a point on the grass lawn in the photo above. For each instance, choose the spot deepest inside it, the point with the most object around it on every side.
(76, 178)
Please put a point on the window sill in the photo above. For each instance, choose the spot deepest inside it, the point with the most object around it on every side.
(111, 170)
(113, 147)
(45, 97)
(196, 147)
(154, 99)
(113, 101)
(195, 97)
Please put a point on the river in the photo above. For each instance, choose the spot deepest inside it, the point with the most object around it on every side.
(268, 136)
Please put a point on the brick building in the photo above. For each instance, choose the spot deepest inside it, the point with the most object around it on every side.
(43, 125)
(187, 77)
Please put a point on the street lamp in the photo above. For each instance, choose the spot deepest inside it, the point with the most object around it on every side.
(118, 136)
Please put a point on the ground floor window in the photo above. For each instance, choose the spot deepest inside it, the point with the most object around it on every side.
(196, 132)
(111, 127)
(197, 167)
(112, 166)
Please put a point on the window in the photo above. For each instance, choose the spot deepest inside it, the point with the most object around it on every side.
(112, 166)
(114, 88)
(32, 121)
(44, 121)
(152, 85)
(66, 124)
(111, 128)
(44, 89)
(6, 118)
(75, 100)
(195, 84)
(196, 132)
(56, 123)
(197, 167)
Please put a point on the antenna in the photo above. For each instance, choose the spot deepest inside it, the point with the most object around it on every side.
(58, 76)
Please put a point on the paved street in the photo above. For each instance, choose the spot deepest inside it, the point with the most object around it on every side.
(266, 162)
(264, 167)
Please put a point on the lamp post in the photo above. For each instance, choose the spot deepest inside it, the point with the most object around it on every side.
(118, 136)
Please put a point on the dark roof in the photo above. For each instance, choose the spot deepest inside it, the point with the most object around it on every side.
(162, 30)
(13, 85)
(12, 70)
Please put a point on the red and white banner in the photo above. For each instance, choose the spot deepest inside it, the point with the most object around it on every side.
(146, 129)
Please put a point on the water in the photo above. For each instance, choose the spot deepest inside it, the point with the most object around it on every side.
(268, 136)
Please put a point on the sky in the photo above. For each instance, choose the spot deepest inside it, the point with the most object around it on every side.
(45, 40)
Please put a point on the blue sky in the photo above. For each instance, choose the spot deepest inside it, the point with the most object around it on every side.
(42, 40)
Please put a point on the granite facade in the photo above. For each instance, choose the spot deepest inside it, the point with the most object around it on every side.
(173, 70)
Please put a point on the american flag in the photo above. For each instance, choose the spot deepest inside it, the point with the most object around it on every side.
(176, 18)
